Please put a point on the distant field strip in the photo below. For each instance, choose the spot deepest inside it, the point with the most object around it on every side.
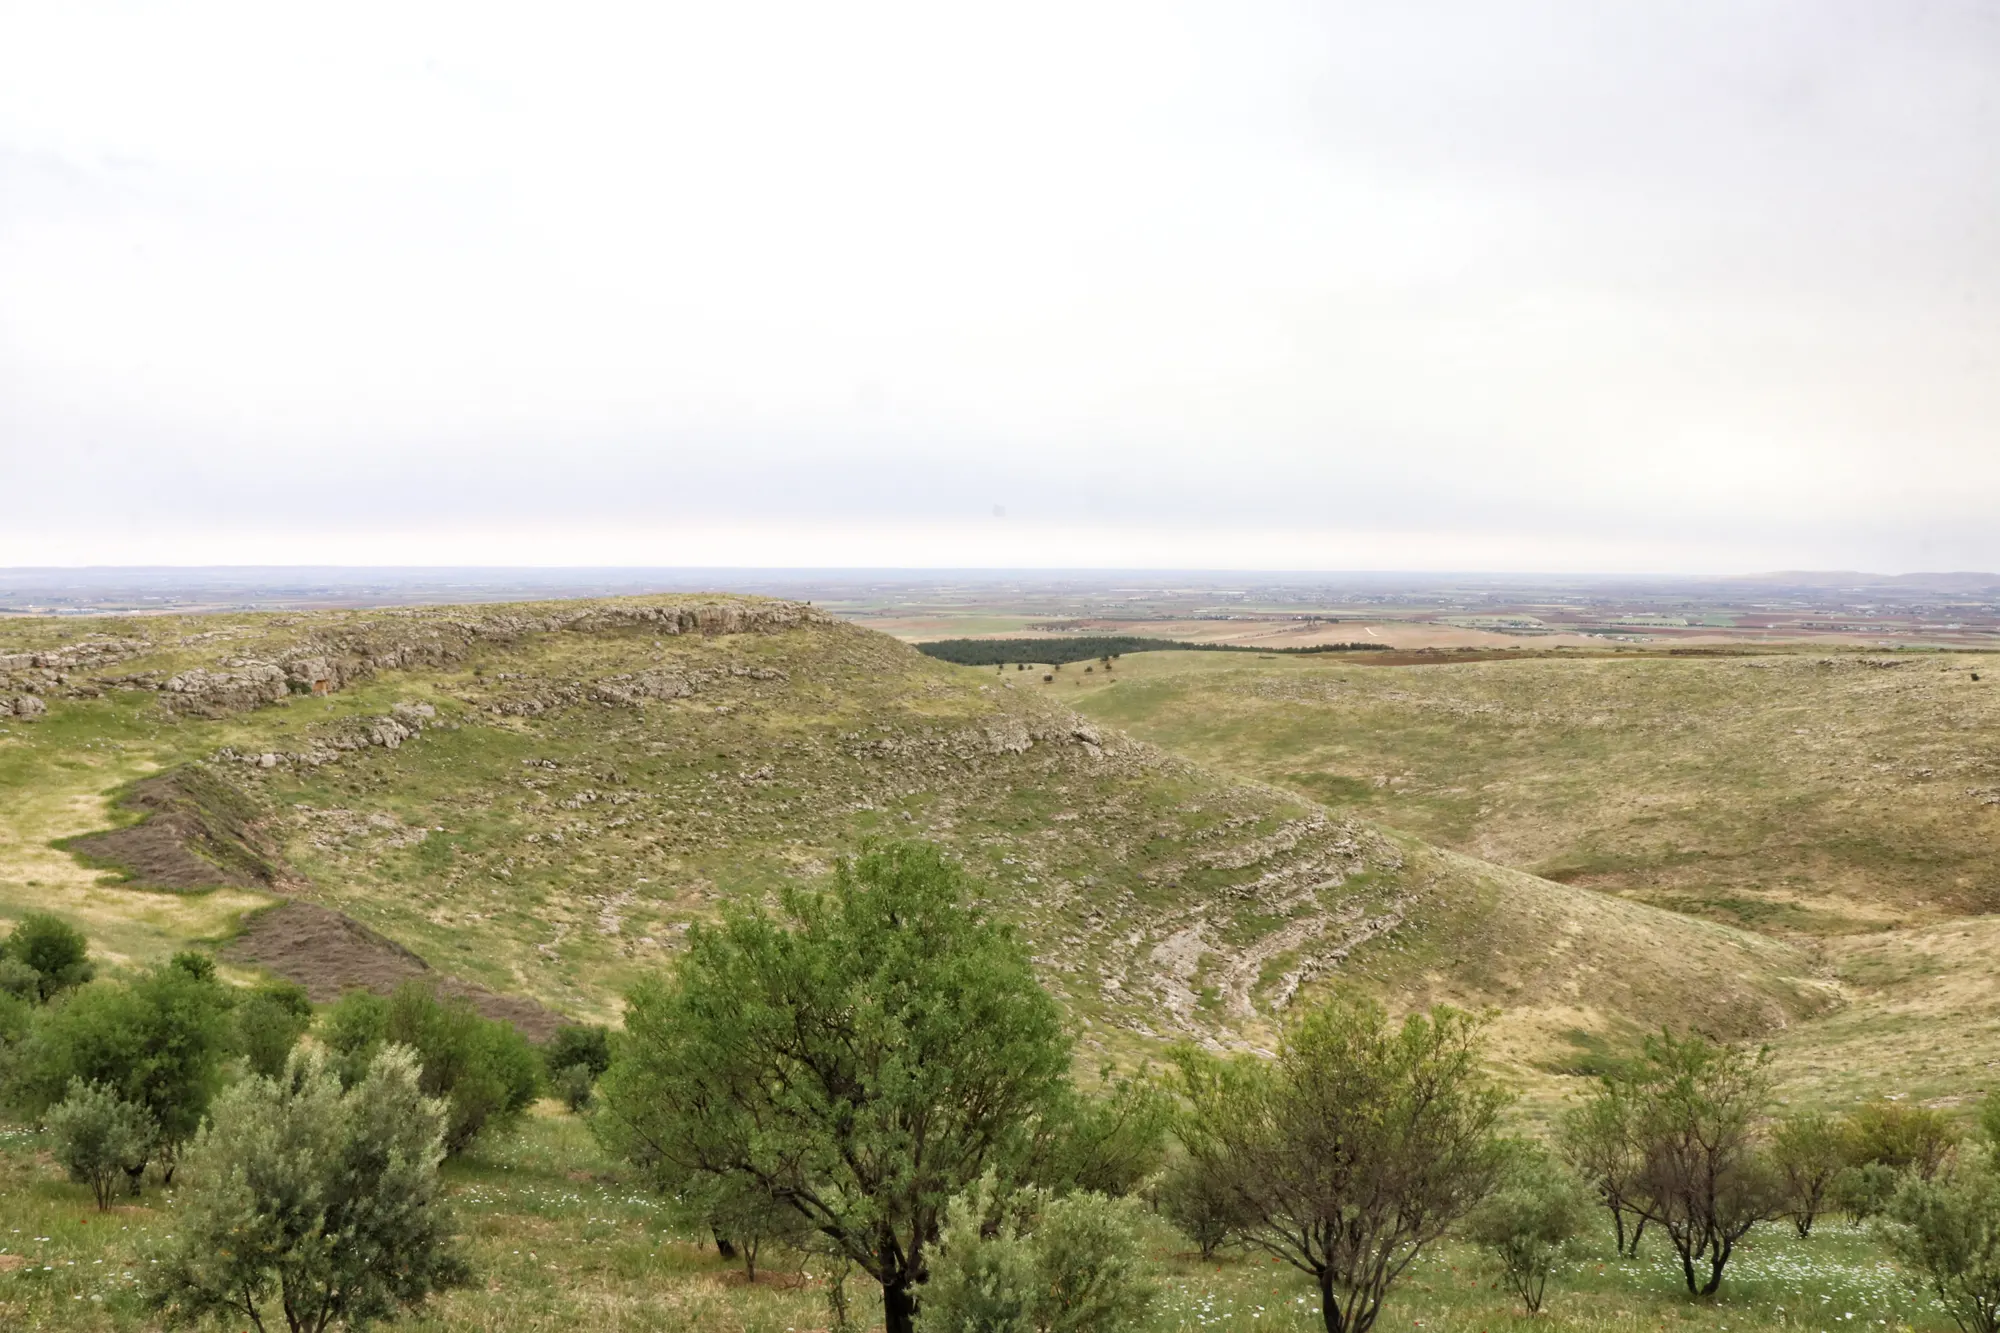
(1070, 648)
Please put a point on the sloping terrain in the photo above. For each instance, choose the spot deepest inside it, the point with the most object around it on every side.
(539, 799)
(1800, 795)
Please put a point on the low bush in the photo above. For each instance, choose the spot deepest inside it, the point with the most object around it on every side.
(1029, 1263)
(100, 1138)
(484, 1070)
(1530, 1222)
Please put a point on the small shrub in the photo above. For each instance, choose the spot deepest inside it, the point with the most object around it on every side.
(1530, 1222)
(268, 1024)
(1946, 1234)
(1027, 1263)
(1197, 1200)
(99, 1138)
(575, 1085)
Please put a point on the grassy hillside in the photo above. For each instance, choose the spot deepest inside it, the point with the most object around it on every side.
(559, 1241)
(539, 799)
(1801, 794)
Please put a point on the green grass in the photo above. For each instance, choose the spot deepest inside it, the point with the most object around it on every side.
(538, 840)
(1792, 793)
(559, 1240)
(561, 854)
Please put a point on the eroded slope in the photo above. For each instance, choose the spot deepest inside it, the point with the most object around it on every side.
(541, 798)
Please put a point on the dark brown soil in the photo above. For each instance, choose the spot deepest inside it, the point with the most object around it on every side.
(196, 834)
(328, 953)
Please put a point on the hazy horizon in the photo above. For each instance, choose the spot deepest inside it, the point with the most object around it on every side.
(1589, 290)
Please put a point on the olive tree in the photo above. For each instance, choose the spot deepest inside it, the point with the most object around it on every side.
(312, 1204)
(99, 1138)
(1032, 1262)
(859, 1058)
(1354, 1150)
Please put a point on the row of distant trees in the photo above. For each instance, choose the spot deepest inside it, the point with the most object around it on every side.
(872, 1074)
(1097, 647)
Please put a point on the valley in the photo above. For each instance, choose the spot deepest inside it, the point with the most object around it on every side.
(531, 803)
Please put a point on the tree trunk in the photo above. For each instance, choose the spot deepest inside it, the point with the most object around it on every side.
(1718, 1257)
(899, 1308)
(1637, 1232)
(1337, 1320)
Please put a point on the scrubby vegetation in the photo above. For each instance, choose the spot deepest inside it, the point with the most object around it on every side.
(1091, 1038)
(873, 1082)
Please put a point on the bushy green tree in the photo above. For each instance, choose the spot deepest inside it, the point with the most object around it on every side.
(1353, 1151)
(574, 1059)
(1808, 1150)
(159, 1042)
(1034, 1263)
(1107, 1142)
(485, 1071)
(1899, 1135)
(860, 1060)
(1599, 1139)
(1703, 1177)
(1531, 1221)
(44, 956)
(574, 1044)
(1945, 1231)
(100, 1138)
(269, 1022)
(311, 1203)
(1196, 1199)
(1863, 1192)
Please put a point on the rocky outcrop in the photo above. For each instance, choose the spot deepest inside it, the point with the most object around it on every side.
(243, 685)
(329, 661)
(26, 707)
(402, 722)
(90, 652)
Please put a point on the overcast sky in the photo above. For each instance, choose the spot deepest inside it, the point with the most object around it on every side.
(1674, 287)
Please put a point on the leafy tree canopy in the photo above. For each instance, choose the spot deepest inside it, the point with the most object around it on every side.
(859, 1058)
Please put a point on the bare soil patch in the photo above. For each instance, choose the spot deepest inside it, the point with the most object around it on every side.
(329, 953)
(196, 833)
